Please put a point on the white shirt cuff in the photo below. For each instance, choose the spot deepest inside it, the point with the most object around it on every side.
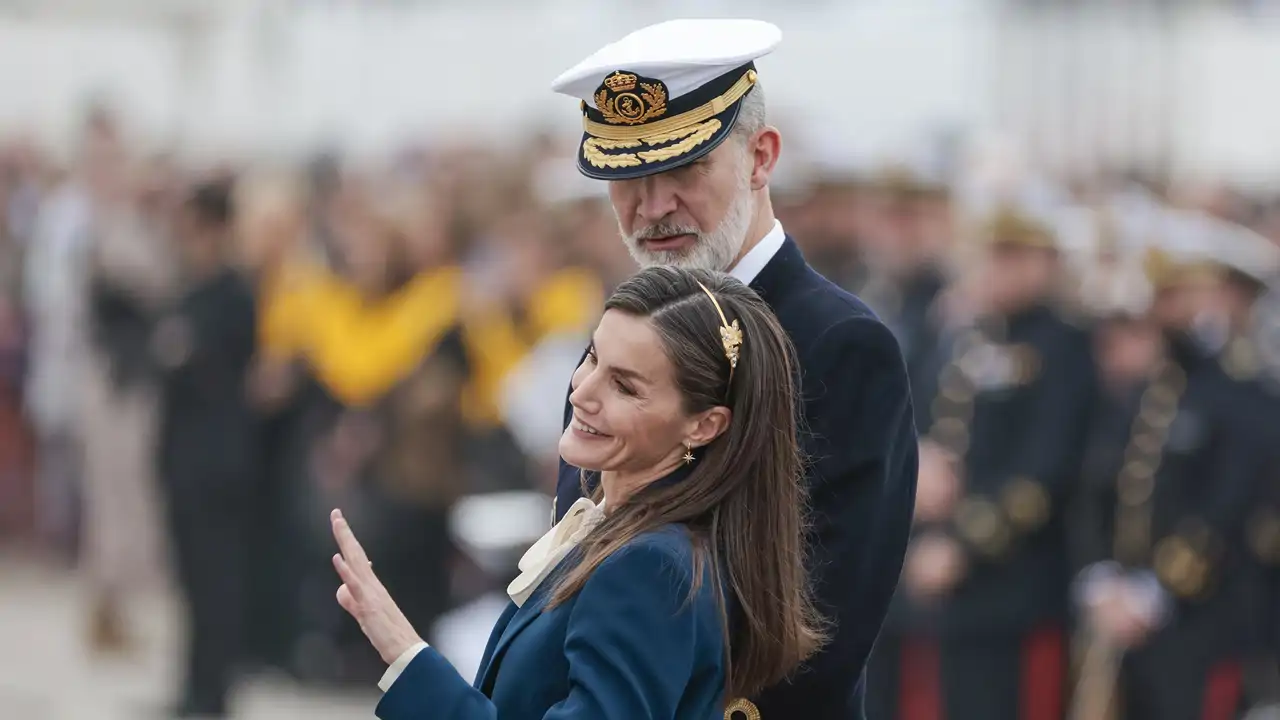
(393, 673)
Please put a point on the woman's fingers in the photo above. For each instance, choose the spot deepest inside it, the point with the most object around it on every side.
(351, 550)
(348, 601)
(349, 578)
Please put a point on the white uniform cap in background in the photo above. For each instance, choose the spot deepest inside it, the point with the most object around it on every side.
(1079, 231)
(1245, 251)
(1118, 288)
(1035, 201)
(927, 160)
(1186, 236)
(1108, 268)
(1179, 251)
(1137, 220)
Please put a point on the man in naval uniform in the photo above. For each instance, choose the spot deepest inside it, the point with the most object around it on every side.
(907, 286)
(1245, 345)
(906, 259)
(1003, 434)
(674, 120)
(1161, 591)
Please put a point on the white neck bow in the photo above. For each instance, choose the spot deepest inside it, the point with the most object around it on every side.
(545, 554)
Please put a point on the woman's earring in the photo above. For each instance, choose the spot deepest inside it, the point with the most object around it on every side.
(688, 455)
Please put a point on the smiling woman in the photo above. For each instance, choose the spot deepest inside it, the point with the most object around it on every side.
(625, 397)
(623, 610)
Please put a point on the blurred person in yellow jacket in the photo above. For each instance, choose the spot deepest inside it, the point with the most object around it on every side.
(275, 247)
(380, 426)
(532, 295)
(363, 328)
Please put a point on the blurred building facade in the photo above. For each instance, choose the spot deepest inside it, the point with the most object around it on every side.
(1076, 85)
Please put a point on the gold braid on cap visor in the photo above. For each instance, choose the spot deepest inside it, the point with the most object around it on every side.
(675, 124)
(684, 132)
(730, 334)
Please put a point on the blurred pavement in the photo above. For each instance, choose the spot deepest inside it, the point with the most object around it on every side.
(46, 674)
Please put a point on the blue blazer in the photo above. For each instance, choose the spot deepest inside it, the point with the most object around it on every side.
(860, 437)
(631, 644)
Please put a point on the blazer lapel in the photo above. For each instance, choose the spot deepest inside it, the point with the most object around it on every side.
(519, 618)
(499, 628)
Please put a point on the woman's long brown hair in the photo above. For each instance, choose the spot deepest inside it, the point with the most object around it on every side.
(744, 502)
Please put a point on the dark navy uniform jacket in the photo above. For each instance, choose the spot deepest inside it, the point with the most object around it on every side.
(860, 440)
(1243, 361)
(1176, 493)
(1013, 401)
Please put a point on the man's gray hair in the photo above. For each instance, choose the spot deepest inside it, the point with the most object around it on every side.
(752, 117)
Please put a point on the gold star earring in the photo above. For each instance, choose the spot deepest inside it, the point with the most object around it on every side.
(688, 455)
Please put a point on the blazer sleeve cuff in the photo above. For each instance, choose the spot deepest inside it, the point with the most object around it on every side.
(397, 668)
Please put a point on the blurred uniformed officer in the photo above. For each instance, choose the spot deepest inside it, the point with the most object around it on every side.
(904, 254)
(906, 289)
(1003, 438)
(833, 221)
(1246, 336)
(1171, 473)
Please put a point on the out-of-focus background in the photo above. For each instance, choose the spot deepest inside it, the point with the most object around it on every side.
(397, 184)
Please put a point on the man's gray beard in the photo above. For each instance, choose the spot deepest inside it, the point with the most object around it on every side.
(715, 250)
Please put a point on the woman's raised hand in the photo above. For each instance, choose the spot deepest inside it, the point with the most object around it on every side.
(364, 597)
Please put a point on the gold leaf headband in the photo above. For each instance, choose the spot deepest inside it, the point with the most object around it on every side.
(730, 333)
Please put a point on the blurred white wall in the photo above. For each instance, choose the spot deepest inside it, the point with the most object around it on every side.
(1127, 83)
(48, 69)
(859, 78)
(1233, 124)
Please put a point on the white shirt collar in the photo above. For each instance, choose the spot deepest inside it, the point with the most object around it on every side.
(754, 261)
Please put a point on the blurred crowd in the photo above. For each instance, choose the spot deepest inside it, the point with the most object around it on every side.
(205, 361)
(198, 363)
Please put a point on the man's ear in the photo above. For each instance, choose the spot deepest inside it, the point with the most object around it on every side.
(765, 147)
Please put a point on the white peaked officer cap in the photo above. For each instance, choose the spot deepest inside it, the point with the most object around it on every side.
(665, 95)
(1245, 252)
(1180, 251)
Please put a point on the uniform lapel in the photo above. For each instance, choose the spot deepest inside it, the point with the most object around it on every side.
(777, 276)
